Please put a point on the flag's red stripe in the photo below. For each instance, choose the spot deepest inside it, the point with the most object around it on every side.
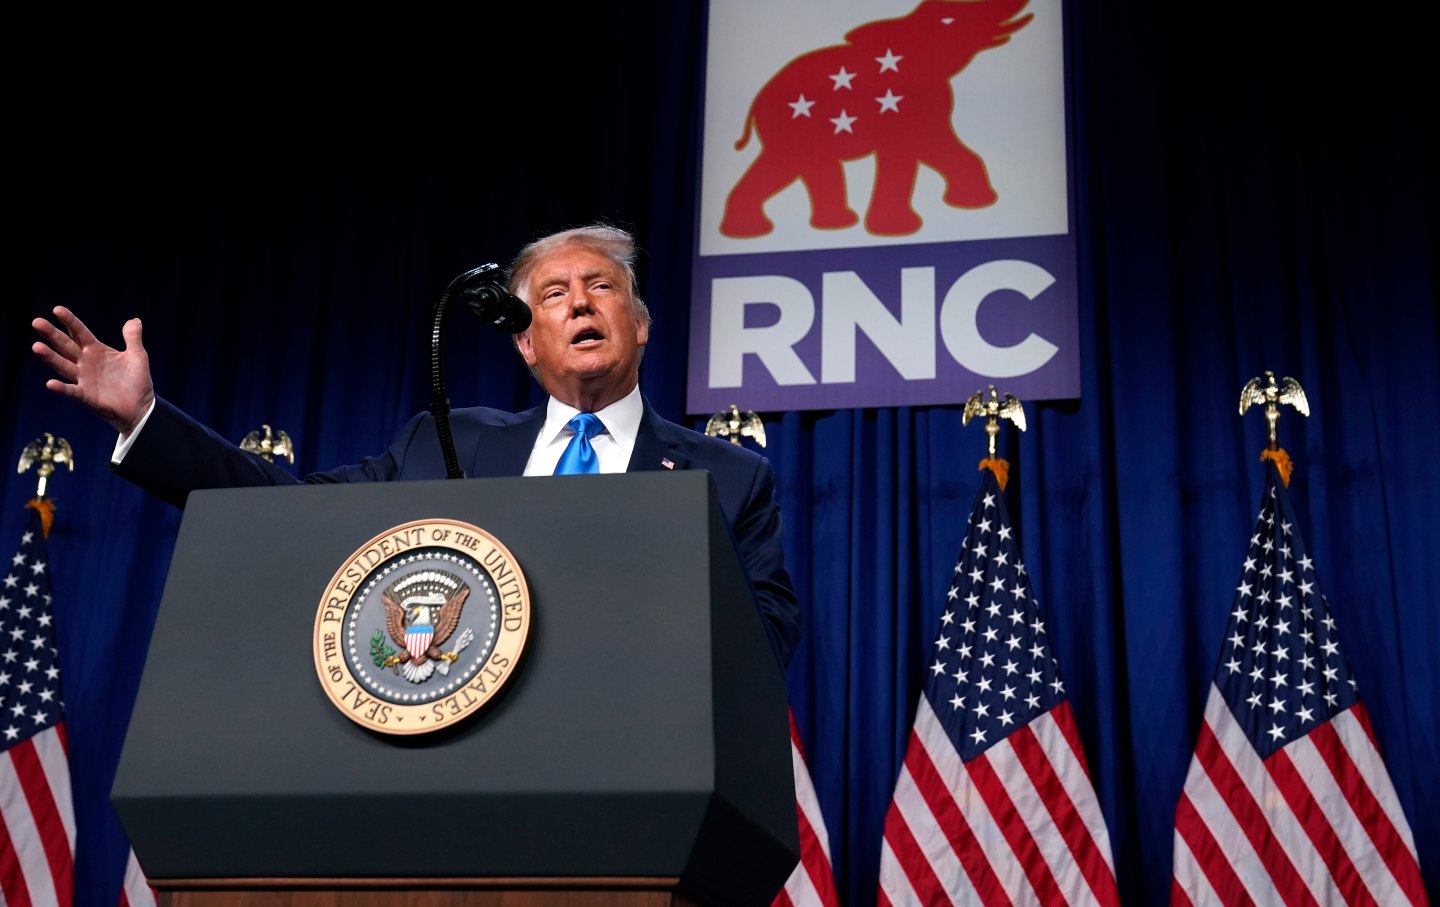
(1013, 827)
(814, 861)
(13, 890)
(1178, 897)
(781, 900)
(1065, 816)
(910, 857)
(1065, 720)
(1206, 850)
(48, 821)
(1375, 821)
(882, 899)
(1311, 818)
(941, 803)
(1251, 818)
(1362, 715)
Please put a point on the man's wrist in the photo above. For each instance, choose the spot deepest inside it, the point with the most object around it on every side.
(126, 441)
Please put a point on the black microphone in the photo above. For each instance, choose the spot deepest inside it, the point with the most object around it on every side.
(483, 292)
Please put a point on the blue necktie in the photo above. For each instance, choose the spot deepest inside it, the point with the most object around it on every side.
(579, 456)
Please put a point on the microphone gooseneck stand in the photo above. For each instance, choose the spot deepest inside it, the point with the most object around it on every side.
(482, 290)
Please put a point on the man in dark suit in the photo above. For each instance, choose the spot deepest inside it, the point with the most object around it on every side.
(587, 335)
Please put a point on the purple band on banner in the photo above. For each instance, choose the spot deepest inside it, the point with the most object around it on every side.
(899, 325)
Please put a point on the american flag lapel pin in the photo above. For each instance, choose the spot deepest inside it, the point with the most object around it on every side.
(667, 462)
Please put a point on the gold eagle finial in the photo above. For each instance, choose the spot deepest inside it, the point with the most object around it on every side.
(47, 452)
(993, 409)
(269, 446)
(734, 424)
(1288, 392)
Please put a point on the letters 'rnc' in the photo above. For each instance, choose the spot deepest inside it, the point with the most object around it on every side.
(849, 307)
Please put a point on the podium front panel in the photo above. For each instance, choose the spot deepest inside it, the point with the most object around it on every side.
(647, 715)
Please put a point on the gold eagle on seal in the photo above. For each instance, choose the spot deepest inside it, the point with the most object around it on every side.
(422, 611)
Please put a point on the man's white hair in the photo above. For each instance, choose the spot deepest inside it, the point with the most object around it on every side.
(612, 242)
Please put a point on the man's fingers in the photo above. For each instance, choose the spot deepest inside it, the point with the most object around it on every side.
(65, 390)
(56, 338)
(131, 332)
(74, 326)
(62, 366)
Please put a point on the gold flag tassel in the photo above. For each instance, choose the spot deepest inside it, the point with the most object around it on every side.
(46, 508)
(1000, 467)
(1289, 393)
(994, 409)
(1281, 459)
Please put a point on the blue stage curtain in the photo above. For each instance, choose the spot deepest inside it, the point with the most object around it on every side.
(1254, 189)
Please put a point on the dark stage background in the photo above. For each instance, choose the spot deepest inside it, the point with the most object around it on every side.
(282, 200)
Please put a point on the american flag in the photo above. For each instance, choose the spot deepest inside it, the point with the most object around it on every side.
(37, 839)
(1287, 800)
(37, 815)
(994, 803)
(812, 884)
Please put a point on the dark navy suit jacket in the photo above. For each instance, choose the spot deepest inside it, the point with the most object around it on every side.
(175, 455)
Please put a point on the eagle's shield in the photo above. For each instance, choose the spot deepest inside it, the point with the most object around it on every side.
(417, 640)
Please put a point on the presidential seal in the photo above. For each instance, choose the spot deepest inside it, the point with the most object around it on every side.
(421, 626)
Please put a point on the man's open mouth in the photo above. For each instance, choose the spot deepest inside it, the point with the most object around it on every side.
(586, 336)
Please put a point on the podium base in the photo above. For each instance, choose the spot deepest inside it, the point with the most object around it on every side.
(514, 892)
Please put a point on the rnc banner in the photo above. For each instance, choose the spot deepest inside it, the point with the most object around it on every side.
(885, 214)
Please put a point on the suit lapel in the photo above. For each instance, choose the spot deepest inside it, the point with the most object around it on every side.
(505, 451)
(656, 445)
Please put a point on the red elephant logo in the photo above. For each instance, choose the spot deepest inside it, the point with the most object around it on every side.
(884, 92)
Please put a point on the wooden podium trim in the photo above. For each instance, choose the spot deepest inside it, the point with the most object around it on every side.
(423, 892)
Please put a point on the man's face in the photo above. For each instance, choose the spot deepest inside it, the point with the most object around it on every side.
(584, 339)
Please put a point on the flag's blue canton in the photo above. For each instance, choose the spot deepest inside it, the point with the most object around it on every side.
(1281, 669)
(992, 670)
(29, 667)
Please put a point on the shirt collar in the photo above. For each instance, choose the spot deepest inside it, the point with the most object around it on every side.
(621, 418)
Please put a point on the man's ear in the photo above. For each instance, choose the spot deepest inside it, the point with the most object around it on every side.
(525, 348)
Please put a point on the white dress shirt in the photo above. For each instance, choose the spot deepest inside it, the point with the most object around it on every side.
(613, 446)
